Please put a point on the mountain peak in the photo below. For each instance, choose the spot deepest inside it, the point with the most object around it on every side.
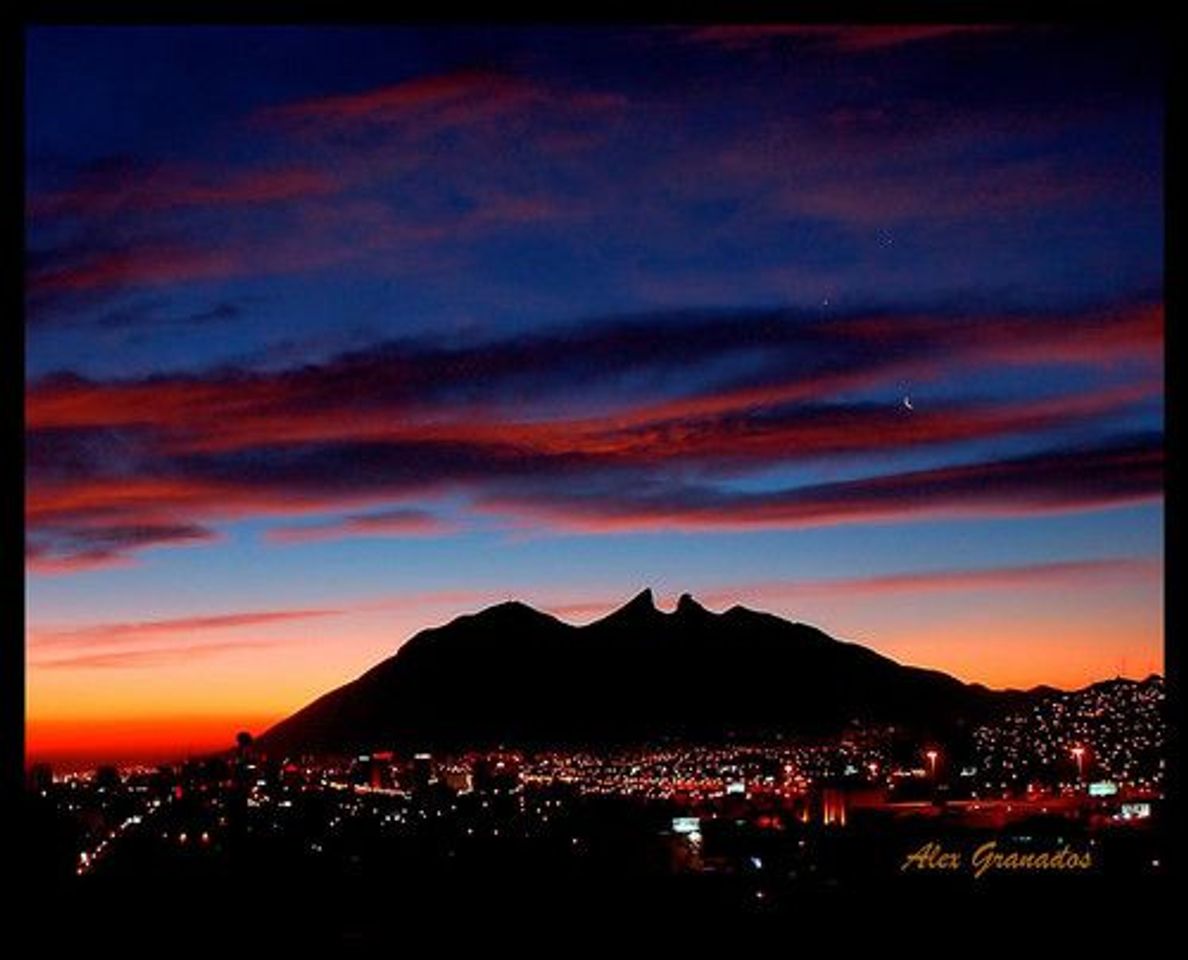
(509, 673)
(511, 609)
(644, 600)
(643, 604)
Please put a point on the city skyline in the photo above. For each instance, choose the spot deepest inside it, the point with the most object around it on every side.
(333, 334)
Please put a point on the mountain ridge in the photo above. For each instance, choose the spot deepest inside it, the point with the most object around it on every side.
(512, 674)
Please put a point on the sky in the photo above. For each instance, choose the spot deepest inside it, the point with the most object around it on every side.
(333, 334)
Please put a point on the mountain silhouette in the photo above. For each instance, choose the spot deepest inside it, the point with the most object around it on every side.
(513, 675)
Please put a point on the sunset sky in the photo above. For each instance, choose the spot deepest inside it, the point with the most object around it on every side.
(334, 334)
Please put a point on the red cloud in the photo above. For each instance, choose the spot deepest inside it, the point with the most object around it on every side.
(121, 465)
(136, 235)
(138, 191)
(93, 541)
(140, 265)
(107, 632)
(843, 37)
(1097, 337)
(388, 523)
(1053, 481)
(153, 657)
(402, 98)
(1024, 576)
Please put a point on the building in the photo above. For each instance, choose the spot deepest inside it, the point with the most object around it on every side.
(41, 777)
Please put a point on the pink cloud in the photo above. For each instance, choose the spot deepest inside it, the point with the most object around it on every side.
(161, 189)
(389, 523)
(402, 98)
(138, 629)
(847, 38)
(1022, 577)
(153, 657)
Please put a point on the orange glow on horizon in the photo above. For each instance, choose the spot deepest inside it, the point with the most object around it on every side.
(90, 740)
(163, 689)
(1029, 657)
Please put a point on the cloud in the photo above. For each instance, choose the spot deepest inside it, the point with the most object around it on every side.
(418, 174)
(142, 315)
(393, 101)
(71, 648)
(937, 191)
(138, 629)
(803, 431)
(712, 360)
(52, 548)
(159, 253)
(612, 410)
(424, 106)
(150, 315)
(1124, 472)
(845, 38)
(150, 657)
(385, 523)
(1039, 576)
(128, 188)
(145, 264)
(1076, 573)
(373, 180)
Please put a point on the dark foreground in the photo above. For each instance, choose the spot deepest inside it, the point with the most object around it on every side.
(601, 862)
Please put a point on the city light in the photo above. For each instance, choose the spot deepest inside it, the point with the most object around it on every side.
(1013, 768)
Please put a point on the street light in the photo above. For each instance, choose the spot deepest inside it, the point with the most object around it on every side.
(1079, 753)
(932, 755)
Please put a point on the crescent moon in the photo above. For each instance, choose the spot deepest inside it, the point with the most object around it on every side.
(907, 402)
